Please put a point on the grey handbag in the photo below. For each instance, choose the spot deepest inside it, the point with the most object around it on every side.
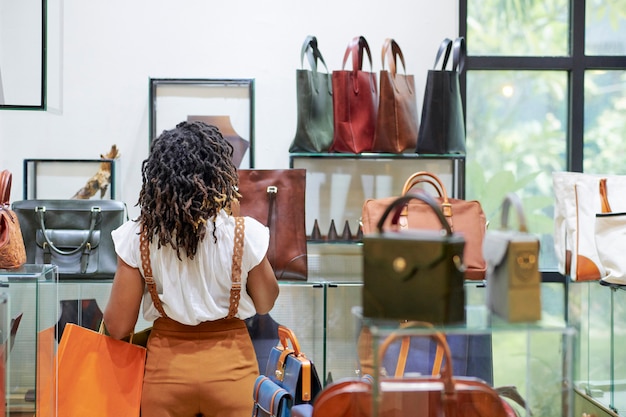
(75, 235)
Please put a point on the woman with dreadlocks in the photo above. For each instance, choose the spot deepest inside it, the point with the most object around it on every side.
(200, 359)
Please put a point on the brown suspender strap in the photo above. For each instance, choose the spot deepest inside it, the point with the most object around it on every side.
(144, 246)
(235, 290)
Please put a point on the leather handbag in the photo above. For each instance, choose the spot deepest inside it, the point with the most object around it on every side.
(414, 274)
(314, 93)
(12, 249)
(397, 120)
(289, 367)
(270, 399)
(276, 198)
(464, 216)
(75, 235)
(355, 101)
(442, 126)
(438, 394)
(513, 277)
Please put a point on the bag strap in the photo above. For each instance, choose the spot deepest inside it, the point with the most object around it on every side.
(604, 196)
(5, 187)
(444, 50)
(398, 204)
(513, 199)
(313, 54)
(235, 290)
(390, 52)
(356, 47)
(458, 55)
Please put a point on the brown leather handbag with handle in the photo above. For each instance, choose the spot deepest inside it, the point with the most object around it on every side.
(463, 216)
(12, 250)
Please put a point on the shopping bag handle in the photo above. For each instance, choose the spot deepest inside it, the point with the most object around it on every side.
(313, 54)
(398, 205)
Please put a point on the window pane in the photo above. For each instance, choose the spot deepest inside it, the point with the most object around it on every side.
(518, 28)
(516, 130)
(605, 124)
(605, 28)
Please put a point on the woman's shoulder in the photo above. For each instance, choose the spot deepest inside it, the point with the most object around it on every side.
(129, 227)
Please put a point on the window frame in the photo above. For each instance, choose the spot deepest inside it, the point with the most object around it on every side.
(576, 64)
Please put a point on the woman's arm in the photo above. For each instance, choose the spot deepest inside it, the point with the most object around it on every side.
(122, 310)
(262, 286)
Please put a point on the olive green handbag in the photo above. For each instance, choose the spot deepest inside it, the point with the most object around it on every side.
(414, 274)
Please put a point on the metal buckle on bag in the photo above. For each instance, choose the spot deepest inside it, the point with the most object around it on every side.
(272, 189)
(40, 209)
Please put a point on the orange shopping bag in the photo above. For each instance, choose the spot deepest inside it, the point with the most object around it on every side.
(96, 376)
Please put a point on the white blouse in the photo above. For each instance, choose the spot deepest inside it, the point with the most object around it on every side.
(196, 290)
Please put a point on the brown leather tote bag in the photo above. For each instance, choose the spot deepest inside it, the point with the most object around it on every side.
(12, 249)
(397, 122)
(275, 197)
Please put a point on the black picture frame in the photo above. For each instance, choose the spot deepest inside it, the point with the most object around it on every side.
(227, 100)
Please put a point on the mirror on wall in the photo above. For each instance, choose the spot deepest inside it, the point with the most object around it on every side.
(22, 54)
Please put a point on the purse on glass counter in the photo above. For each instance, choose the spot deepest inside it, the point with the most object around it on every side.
(414, 274)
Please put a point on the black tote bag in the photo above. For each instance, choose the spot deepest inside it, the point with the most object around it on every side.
(442, 127)
(314, 131)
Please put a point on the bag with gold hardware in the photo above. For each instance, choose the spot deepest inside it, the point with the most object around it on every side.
(289, 367)
(464, 216)
(513, 278)
(414, 274)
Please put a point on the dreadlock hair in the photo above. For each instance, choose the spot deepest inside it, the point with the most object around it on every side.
(187, 179)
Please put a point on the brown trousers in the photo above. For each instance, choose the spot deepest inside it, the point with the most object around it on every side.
(206, 370)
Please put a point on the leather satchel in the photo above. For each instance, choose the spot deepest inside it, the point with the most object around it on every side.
(355, 102)
(464, 216)
(442, 126)
(270, 399)
(12, 250)
(414, 274)
(276, 198)
(397, 120)
(75, 235)
(513, 277)
(314, 92)
(289, 367)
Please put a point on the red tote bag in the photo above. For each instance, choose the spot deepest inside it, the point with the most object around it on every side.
(355, 102)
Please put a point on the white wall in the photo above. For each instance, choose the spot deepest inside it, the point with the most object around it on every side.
(102, 54)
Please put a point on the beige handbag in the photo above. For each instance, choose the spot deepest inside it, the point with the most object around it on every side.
(513, 277)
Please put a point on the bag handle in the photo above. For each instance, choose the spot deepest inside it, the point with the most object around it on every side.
(435, 181)
(85, 244)
(404, 351)
(313, 54)
(356, 47)
(390, 52)
(399, 203)
(437, 337)
(513, 199)
(5, 187)
(459, 53)
(444, 50)
(286, 336)
(604, 196)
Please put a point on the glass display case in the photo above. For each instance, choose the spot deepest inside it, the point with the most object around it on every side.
(337, 184)
(599, 314)
(28, 289)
